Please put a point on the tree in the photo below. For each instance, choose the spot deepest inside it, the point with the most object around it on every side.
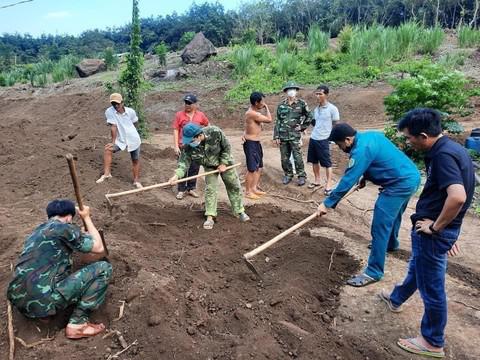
(131, 78)
(185, 39)
(161, 51)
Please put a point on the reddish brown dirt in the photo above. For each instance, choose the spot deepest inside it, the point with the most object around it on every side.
(188, 293)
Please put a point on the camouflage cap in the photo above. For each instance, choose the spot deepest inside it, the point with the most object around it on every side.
(290, 85)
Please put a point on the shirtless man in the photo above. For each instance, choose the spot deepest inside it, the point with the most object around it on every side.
(252, 147)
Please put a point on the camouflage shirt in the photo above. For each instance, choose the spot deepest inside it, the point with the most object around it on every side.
(45, 260)
(289, 117)
(211, 152)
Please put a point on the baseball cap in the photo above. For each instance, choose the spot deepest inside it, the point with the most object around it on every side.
(116, 98)
(192, 99)
(341, 131)
(60, 208)
(189, 132)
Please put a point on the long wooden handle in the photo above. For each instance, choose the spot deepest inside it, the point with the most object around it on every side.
(290, 230)
(76, 187)
(279, 237)
(134, 191)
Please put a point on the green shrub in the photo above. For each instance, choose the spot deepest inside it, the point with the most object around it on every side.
(286, 45)
(3, 80)
(344, 38)
(161, 51)
(318, 41)
(185, 39)
(468, 37)
(452, 61)
(299, 37)
(326, 61)
(110, 58)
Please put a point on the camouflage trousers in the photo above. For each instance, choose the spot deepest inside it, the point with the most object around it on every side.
(287, 149)
(234, 192)
(85, 289)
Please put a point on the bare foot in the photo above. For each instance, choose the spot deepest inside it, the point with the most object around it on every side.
(78, 331)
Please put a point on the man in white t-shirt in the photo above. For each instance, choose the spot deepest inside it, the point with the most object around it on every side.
(325, 116)
(121, 120)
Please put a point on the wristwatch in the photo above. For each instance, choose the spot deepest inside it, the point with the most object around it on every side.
(435, 232)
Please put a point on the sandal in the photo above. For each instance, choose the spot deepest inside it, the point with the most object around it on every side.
(73, 331)
(313, 185)
(386, 299)
(208, 224)
(103, 178)
(327, 192)
(252, 196)
(361, 280)
(415, 347)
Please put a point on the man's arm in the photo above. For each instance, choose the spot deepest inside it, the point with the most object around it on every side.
(92, 230)
(277, 125)
(183, 164)
(259, 117)
(113, 132)
(176, 146)
(456, 197)
(307, 117)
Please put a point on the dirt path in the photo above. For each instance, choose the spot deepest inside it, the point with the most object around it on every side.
(188, 295)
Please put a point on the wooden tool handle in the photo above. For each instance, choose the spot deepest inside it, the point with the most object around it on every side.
(128, 192)
(279, 237)
(76, 187)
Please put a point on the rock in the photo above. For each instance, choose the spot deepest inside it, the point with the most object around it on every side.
(197, 50)
(191, 330)
(477, 315)
(154, 320)
(88, 67)
(275, 302)
(248, 305)
(335, 292)
(325, 318)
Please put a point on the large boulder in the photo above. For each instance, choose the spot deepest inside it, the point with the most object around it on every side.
(89, 67)
(198, 50)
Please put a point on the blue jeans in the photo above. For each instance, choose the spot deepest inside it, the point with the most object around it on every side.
(387, 218)
(426, 272)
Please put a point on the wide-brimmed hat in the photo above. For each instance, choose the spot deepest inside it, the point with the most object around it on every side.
(290, 85)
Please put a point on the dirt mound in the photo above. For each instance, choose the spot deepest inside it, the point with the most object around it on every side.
(189, 293)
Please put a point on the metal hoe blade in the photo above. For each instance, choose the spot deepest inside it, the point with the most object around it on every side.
(252, 268)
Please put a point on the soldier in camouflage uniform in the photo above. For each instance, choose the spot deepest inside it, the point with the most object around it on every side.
(293, 117)
(210, 148)
(43, 281)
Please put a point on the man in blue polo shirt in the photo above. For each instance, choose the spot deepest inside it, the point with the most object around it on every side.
(376, 159)
(445, 198)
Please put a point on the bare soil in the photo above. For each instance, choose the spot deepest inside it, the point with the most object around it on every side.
(187, 293)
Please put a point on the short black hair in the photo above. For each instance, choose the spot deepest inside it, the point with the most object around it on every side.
(422, 120)
(325, 89)
(341, 131)
(255, 97)
(60, 208)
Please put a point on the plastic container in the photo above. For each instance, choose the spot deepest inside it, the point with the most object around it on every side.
(473, 141)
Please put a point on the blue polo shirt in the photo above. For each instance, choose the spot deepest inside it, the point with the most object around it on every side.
(447, 163)
(379, 161)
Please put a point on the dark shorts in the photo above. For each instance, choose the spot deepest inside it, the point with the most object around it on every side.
(135, 154)
(319, 152)
(253, 154)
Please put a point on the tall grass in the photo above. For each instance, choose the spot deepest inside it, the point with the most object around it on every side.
(286, 45)
(468, 37)
(430, 40)
(318, 40)
(287, 64)
(243, 58)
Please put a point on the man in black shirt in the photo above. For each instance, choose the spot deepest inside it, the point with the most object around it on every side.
(438, 217)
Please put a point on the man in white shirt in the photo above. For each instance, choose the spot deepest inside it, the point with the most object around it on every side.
(121, 120)
(325, 116)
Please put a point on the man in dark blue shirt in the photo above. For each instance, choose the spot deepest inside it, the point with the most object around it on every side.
(376, 159)
(445, 198)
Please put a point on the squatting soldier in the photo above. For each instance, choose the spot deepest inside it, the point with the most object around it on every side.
(43, 281)
(210, 148)
(293, 117)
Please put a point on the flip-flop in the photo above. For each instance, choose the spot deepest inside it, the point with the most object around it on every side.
(361, 280)
(419, 349)
(252, 196)
(260, 192)
(313, 185)
(386, 299)
(327, 192)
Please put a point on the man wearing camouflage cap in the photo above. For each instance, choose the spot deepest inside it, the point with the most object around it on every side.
(210, 148)
(293, 117)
